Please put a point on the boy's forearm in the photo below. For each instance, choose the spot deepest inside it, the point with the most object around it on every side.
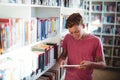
(100, 64)
(63, 56)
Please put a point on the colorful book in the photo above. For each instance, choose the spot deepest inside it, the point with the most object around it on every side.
(55, 46)
(38, 61)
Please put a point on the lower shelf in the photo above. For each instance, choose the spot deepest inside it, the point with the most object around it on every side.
(113, 68)
(34, 76)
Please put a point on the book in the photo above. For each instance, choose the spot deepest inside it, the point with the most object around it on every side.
(4, 20)
(38, 61)
(2, 39)
(70, 66)
(1, 49)
(55, 46)
(40, 47)
(118, 7)
(45, 49)
(33, 30)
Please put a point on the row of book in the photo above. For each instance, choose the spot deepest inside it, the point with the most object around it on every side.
(109, 19)
(16, 1)
(108, 51)
(108, 29)
(107, 40)
(117, 41)
(112, 52)
(28, 66)
(97, 7)
(15, 32)
(116, 52)
(54, 73)
(12, 32)
(118, 7)
(22, 67)
(86, 6)
(118, 19)
(106, 7)
(110, 41)
(109, 8)
(43, 56)
(96, 17)
(98, 30)
(65, 3)
(47, 2)
(47, 27)
(72, 3)
(116, 63)
(54, 68)
(117, 30)
(64, 18)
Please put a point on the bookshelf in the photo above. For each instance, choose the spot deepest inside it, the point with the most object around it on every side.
(22, 53)
(103, 21)
(25, 14)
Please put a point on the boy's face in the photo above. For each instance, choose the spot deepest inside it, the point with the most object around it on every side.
(76, 31)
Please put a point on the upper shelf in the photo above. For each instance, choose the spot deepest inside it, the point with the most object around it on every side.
(15, 4)
(68, 11)
(30, 10)
(104, 0)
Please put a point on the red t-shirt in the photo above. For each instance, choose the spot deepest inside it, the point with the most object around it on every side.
(78, 50)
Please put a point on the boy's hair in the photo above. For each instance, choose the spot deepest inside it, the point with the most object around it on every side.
(74, 19)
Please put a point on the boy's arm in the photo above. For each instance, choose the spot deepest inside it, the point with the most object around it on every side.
(100, 63)
(62, 57)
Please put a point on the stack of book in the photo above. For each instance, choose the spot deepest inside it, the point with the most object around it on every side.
(42, 56)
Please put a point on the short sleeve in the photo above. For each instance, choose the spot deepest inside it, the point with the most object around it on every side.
(64, 45)
(99, 49)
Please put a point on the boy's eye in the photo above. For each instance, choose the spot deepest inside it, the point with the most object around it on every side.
(75, 32)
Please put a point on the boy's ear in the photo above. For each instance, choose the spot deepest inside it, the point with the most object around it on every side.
(83, 26)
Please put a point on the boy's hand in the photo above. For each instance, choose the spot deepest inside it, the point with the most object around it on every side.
(61, 62)
(85, 64)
